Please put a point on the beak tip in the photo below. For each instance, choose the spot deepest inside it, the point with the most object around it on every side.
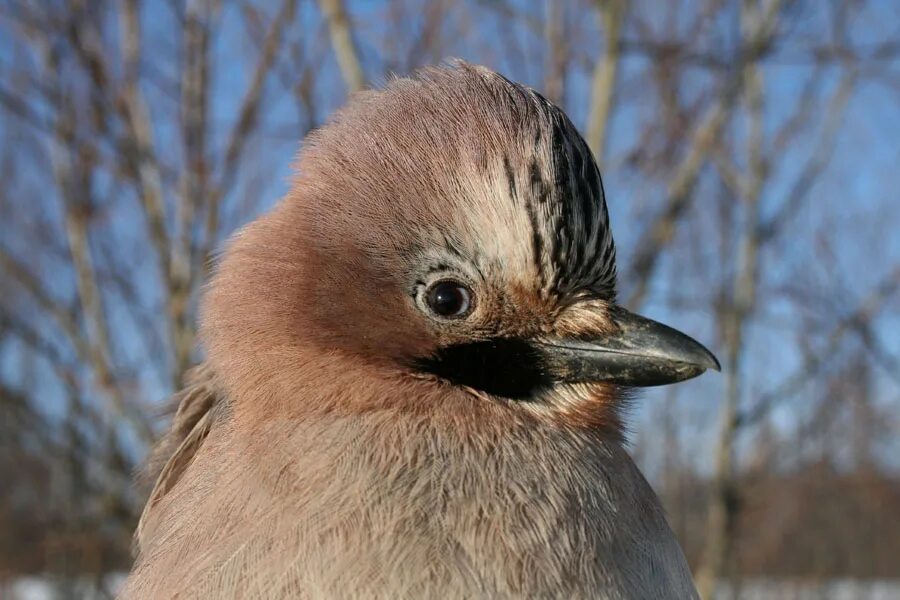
(710, 362)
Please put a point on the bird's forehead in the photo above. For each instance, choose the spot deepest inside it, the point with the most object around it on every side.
(462, 157)
(534, 205)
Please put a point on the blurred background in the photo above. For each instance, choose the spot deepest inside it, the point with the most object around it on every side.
(750, 156)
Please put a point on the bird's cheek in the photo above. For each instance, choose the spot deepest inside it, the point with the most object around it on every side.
(397, 339)
(380, 330)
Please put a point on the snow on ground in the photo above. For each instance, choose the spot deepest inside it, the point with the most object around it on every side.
(46, 588)
(838, 589)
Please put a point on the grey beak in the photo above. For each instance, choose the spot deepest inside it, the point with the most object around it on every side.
(641, 353)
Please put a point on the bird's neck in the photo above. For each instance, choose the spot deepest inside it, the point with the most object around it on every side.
(370, 431)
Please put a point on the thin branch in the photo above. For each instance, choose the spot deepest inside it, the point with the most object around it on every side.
(246, 122)
(74, 182)
(557, 51)
(249, 111)
(344, 47)
(793, 383)
(193, 186)
(611, 14)
(59, 313)
(804, 112)
(143, 156)
(889, 362)
(65, 369)
(824, 149)
(75, 219)
(722, 513)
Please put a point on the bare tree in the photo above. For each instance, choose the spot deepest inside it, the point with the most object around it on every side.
(138, 136)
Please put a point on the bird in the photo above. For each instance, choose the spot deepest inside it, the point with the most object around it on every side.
(416, 373)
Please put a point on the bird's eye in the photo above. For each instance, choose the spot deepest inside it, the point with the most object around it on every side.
(449, 299)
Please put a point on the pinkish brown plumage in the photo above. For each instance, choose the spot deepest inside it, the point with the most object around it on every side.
(411, 387)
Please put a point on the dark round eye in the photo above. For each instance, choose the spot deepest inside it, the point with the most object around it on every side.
(449, 299)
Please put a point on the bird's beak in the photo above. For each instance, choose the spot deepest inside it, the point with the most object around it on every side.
(641, 353)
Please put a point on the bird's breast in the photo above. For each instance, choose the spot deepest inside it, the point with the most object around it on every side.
(361, 509)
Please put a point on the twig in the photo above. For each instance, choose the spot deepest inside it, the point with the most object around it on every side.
(342, 41)
(793, 383)
(246, 121)
(611, 13)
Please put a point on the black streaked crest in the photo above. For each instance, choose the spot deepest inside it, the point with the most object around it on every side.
(571, 239)
(584, 252)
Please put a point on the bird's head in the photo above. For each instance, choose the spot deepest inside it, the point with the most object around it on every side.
(450, 229)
